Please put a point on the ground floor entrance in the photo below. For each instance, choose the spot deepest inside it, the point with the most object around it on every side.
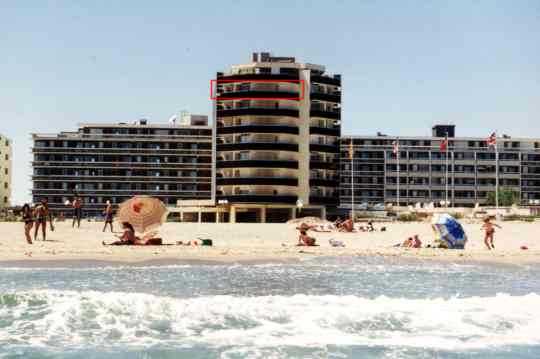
(245, 213)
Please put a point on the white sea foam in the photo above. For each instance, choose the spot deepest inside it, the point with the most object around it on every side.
(79, 319)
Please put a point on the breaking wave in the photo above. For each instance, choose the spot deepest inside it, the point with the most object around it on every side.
(45, 318)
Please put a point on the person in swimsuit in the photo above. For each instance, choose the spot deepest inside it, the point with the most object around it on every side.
(28, 219)
(489, 229)
(108, 213)
(77, 212)
(127, 238)
(42, 214)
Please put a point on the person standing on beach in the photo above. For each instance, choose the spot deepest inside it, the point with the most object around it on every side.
(108, 212)
(42, 213)
(77, 212)
(28, 220)
(490, 232)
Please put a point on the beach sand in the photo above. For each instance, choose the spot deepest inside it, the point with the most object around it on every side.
(260, 243)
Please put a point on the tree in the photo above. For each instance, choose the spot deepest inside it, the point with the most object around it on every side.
(507, 197)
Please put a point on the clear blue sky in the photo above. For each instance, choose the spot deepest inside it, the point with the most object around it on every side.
(406, 64)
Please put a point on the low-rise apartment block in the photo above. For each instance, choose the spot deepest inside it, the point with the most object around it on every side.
(113, 162)
(422, 169)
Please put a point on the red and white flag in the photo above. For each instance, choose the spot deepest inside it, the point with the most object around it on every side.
(492, 140)
(444, 144)
(395, 147)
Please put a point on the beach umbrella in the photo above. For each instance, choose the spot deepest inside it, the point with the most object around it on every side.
(143, 213)
(448, 231)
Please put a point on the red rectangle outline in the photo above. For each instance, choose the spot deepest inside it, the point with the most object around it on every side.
(300, 82)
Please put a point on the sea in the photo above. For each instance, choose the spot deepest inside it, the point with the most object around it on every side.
(357, 307)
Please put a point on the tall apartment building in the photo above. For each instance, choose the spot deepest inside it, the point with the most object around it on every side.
(5, 172)
(277, 123)
(422, 169)
(101, 162)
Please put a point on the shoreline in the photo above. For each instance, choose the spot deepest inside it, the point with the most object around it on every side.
(400, 255)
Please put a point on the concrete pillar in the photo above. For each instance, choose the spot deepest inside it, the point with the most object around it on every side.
(232, 215)
(218, 212)
(263, 215)
(293, 213)
(181, 216)
(199, 216)
(323, 213)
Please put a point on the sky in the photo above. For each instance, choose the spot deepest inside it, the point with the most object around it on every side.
(406, 65)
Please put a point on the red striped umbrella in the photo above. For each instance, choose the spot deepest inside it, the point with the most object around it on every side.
(143, 213)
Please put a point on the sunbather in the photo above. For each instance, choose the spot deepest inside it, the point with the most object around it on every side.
(127, 238)
(305, 240)
(347, 226)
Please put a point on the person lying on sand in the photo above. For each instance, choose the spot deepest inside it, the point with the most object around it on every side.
(406, 243)
(411, 242)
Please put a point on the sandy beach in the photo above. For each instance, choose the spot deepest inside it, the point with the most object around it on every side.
(261, 243)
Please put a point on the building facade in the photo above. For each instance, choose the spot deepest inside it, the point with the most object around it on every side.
(114, 162)
(5, 172)
(277, 125)
(422, 169)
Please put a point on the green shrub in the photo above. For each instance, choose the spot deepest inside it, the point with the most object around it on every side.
(457, 215)
(517, 217)
(408, 217)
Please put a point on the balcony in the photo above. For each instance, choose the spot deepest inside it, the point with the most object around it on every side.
(327, 131)
(259, 94)
(324, 182)
(258, 146)
(332, 200)
(264, 181)
(122, 165)
(258, 111)
(257, 163)
(259, 198)
(314, 164)
(327, 148)
(317, 112)
(327, 80)
(291, 130)
(330, 97)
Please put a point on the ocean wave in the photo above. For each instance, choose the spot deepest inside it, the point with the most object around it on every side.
(89, 319)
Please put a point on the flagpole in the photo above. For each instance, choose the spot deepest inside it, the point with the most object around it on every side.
(352, 182)
(397, 156)
(496, 177)
(446, 180)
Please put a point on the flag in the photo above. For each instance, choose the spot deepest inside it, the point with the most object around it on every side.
(444, 144)
(395, 147)
(351, 151)
(492, 140)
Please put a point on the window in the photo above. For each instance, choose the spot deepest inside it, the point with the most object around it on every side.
(6, 170)
(6, 185)
(7, 157)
